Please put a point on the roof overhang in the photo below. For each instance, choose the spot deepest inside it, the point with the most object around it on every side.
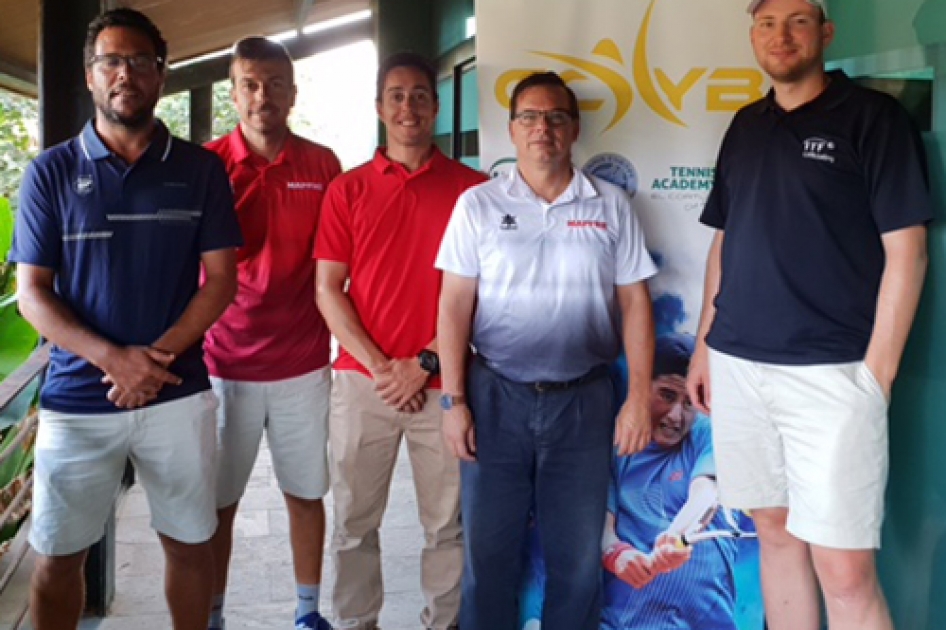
(193, 28)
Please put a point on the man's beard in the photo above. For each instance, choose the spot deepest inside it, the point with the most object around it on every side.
(792, 74)
(138, 119)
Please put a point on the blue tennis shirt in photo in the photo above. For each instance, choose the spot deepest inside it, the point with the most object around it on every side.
(647, 491)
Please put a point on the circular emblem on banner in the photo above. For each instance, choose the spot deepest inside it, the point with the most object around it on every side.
(615, 169)
(502, 167)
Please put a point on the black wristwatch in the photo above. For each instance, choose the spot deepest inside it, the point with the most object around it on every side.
(429, 361)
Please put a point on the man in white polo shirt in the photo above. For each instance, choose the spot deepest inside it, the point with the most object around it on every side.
(544, 275)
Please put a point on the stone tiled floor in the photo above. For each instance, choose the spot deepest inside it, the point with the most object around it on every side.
(261, 593)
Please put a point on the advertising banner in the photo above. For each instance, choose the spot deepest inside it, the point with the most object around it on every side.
(658, 82)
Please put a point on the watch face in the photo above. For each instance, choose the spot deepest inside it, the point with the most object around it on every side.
(446, 402)
(429, 361)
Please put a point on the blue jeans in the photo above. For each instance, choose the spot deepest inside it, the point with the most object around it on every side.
(547, 449)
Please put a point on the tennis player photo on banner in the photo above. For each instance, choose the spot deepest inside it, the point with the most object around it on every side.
(656, 91)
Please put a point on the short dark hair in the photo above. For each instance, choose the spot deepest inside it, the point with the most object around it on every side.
(407, 60)
(126, 18)
(259, 48)
(672, 354)
(536, 79)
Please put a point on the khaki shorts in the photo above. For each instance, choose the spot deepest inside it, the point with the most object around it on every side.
(809, 438)
(294, 413)
(80, 461)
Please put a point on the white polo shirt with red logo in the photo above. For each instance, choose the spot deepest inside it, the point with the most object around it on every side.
(547, 273)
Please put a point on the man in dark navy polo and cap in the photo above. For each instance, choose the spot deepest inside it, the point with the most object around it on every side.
(820, 205)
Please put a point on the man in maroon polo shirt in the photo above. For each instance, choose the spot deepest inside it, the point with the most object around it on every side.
(269, 353)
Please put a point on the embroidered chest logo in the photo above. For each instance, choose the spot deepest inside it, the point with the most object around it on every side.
(508, 223)
(677, 475)
(83, 185)
(585, 223)
(818, 149)
(317, 186)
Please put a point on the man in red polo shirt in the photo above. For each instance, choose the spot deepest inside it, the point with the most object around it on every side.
(380, 230)
(269, 354)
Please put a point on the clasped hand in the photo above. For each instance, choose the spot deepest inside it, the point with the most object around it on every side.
(136, 375)
(400, 383)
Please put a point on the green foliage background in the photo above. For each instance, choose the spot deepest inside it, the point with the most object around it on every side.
(19, 131)
(18, 145)
(174, 110)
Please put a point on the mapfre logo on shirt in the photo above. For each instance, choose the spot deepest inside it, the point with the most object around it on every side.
(317, 186)
(587, 223)
(818, 149)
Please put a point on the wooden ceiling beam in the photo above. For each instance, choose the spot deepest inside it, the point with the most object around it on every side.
(18, 79)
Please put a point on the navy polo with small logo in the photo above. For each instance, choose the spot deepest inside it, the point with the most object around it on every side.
(125, 243)
(804, 197)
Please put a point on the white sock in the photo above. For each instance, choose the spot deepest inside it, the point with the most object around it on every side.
(308, 599)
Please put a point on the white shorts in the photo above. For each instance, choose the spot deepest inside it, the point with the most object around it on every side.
(809, 438)
(294, 412)
(80, 461)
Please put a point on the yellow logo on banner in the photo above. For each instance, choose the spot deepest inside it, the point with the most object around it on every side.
(727, 89)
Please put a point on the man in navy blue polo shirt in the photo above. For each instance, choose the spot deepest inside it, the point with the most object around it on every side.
(113, 228)
(820, 205)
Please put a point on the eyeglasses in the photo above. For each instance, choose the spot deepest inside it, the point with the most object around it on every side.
(111, 62)
(553, 117)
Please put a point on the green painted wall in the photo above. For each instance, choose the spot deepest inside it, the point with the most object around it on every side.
(471, 101)
(444, 123)
(404, 25)
(902, 36)
(913, 559)
(449, 20)
(872, 26)
(430, 27)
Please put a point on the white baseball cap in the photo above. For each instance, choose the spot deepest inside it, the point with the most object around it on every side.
(821, 4)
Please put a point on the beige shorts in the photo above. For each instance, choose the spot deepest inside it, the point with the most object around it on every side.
(294, 413)
(809, 438)
(80, 460)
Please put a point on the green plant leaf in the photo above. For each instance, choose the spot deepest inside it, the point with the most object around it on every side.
(19, 462)
(6, 228)
(17, 340)
(14, 412)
